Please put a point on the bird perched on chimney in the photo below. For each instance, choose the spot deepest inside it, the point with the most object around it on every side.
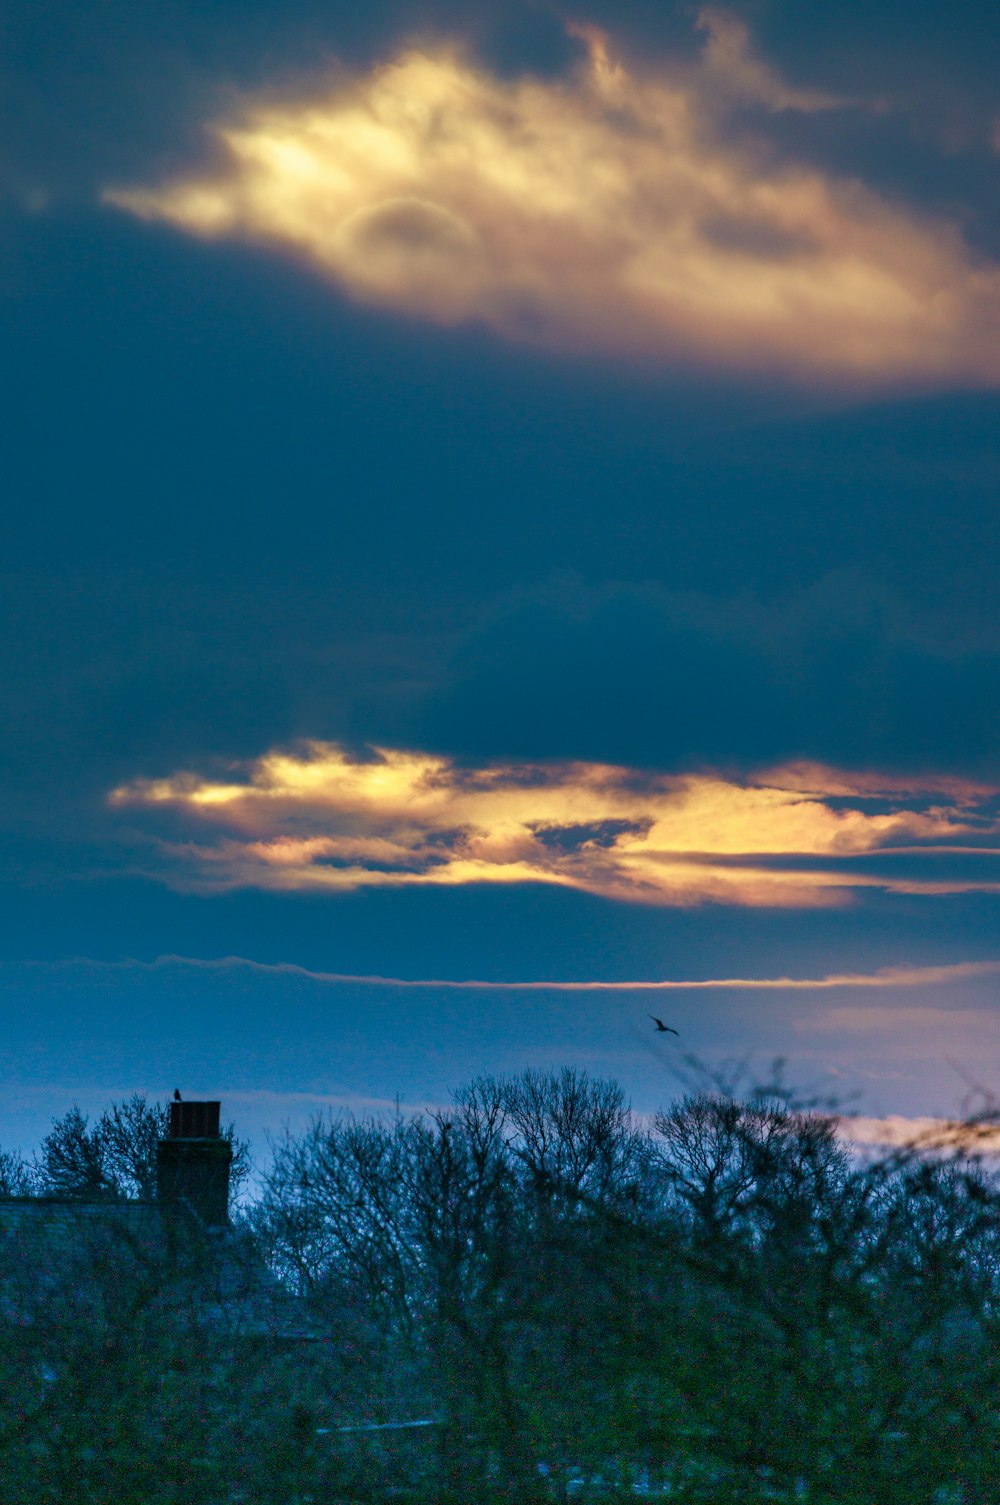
(663, 1029)
(177, 1094)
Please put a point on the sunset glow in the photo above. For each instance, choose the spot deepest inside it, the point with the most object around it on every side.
(323, 819)
(502, 546)
(605, 211)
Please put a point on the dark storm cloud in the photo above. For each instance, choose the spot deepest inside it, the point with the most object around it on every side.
(839, 672)
(233, 509)
(101, 684)
(642, 676)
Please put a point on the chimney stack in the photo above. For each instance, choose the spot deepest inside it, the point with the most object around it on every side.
(192, 1163)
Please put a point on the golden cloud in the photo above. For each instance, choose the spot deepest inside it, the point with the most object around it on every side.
(606, 211)
(321, 818)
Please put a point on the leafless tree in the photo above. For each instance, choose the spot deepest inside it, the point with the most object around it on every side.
(729, 1299)
(115, 1157)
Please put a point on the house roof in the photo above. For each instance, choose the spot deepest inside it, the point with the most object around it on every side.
(62, 1246)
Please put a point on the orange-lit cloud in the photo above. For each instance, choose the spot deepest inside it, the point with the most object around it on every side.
(607, 211)
(921, 1133)
(320, 818)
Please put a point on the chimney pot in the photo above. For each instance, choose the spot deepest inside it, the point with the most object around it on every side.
(194, 1120)
(192, 1163)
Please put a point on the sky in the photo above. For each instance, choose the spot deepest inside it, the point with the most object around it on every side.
(500, 541)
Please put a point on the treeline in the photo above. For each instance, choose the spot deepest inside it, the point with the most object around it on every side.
(720, 1304)
(111, 1159)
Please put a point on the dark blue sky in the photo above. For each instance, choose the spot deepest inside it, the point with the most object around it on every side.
(455, 472)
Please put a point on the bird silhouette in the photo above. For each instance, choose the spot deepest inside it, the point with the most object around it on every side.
(663, 1029)
(177, 1094)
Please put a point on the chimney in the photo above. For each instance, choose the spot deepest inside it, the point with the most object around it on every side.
(192, 1163)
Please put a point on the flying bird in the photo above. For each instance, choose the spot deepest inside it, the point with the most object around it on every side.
(663, 1029)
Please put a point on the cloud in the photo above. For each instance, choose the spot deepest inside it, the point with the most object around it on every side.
(322, 818)
(914, 1019)
(884, 977)
(976, 1136)
(840, 671)
(734, 73)
(604, 211)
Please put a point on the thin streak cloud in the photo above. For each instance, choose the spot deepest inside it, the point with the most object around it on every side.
(883, 977)
(608, 211)
(322, 819)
